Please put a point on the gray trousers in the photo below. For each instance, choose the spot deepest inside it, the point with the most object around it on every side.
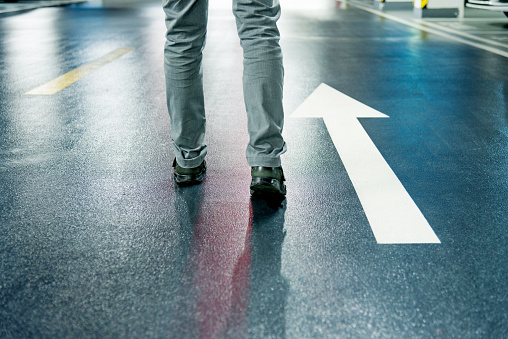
(263, 74)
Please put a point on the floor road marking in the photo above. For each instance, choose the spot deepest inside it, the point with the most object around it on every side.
(392, 213)
(10, 8)
(466, 35)
(432, 31)
(71, 77)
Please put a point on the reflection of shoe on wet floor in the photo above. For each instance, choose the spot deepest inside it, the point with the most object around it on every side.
(189, 176)
(268, 182)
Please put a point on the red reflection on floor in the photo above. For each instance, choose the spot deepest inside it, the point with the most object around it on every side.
(215, 287)
(222, 240)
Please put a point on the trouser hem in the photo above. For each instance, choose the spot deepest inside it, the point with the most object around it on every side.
(263, 161)
(189, 163)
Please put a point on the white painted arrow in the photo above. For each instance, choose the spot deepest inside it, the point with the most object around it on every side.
(392, 213)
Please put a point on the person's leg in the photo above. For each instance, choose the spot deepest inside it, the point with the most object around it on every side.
(262, 79)
(185, 39)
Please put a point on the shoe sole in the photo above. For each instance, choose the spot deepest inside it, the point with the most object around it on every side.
(265, 187)
(189, 180)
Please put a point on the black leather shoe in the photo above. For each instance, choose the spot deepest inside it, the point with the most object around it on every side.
(189, 176)
(267, 182)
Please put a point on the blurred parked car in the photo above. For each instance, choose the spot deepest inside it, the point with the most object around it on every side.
(491, 5)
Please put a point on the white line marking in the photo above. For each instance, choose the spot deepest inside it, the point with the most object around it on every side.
(40, 4)
(392, 213)
(489, 20)
(432, 31)
(466, 35)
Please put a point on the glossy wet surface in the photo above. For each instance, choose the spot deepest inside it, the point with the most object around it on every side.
(96, 240)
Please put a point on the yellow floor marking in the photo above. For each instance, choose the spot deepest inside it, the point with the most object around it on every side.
(71, 77)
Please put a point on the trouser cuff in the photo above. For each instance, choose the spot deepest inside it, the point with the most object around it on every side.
(263, 161)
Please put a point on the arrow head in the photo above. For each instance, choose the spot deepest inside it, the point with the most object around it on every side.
(325, 101)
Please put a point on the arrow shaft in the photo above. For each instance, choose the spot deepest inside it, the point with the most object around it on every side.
(392, 213)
